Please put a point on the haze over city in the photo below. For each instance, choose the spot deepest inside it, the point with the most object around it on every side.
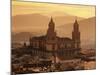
(48, 37)
(34, 18)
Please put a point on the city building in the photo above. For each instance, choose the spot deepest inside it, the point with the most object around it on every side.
(51, 45)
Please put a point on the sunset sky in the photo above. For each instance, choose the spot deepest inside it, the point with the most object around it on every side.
(34, 17)
(19, 8)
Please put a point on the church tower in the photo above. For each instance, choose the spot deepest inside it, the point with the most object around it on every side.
(51, 39)
(51, 34)
(76, 35)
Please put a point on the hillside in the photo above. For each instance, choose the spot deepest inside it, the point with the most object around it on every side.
(21, 37)
(87, 29)
(38, 22)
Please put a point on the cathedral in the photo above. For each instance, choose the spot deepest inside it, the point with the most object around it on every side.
(53, 45)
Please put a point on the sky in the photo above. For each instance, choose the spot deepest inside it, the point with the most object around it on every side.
(49, 9)
(19, 7)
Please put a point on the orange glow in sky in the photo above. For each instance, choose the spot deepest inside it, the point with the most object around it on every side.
(19, 8)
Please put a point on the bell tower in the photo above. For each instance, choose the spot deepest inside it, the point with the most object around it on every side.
(51, 34)
(51, 40)
(76, 35)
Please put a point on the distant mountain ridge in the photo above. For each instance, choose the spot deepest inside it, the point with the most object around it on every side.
(36, 24)
(21, 37)
(87, 29)
(28, 23)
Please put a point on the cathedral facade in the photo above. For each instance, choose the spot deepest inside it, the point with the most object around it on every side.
(64, 48)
